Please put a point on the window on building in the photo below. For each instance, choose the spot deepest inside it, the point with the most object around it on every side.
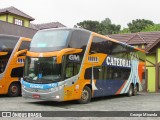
(18, 22)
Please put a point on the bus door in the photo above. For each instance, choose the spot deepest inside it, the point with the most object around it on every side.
(72, 67)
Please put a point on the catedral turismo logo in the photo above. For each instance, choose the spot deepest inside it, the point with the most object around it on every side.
(113, 61)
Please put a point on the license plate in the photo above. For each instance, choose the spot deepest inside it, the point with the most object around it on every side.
(36, 96)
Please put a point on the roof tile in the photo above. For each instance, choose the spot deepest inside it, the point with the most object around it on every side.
(15, 11)
(47, 25)
(148, 38)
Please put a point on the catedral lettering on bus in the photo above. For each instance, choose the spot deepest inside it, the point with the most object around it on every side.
(12, 56)
(76, 64)
(118, 62)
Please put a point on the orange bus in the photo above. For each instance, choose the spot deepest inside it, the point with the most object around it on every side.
(12, 56)
(75, 64)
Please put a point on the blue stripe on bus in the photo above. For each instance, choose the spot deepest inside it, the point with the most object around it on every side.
(107, 87)
(39, 86)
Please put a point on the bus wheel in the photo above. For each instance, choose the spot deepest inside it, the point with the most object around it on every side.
(130, 91)
(86, 95)
(135, 90)
(14, 90)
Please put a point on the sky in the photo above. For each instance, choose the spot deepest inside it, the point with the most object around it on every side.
(71, 12)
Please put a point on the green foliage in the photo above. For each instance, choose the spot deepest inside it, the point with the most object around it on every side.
(150, 28)
(125, 30)
(139, 24)
(109, 28)
(105, 27)
(90, 25)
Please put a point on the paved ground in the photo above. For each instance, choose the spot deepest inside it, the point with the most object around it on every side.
(141, 102)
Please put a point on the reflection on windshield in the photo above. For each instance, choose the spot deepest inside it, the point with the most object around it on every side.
(42, 69)
(52, 38)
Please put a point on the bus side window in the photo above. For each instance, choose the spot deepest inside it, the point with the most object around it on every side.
(97, 73)
(88, 73)
(24, 45)
(2, 67)
(72, 69)
(69, 71)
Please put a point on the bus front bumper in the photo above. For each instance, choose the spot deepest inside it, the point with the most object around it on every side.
(52, 95)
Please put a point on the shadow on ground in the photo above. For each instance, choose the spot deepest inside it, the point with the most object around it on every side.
(67, 104)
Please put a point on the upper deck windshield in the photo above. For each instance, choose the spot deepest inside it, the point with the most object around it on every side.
(49, 40)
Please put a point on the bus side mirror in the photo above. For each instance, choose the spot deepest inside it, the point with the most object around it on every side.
(19, 53)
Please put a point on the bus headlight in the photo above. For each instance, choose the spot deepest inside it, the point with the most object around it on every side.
(57, 97)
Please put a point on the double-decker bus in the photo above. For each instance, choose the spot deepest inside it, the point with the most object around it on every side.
(76, 64)
(12, 50)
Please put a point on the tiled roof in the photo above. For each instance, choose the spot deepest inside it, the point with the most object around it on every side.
(148, 38)
(122, 37)
(15, 11)
(33, 26)
(47, 25)
(136, 39)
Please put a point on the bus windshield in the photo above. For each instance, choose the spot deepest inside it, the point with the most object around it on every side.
(50, 39)
(42, 70)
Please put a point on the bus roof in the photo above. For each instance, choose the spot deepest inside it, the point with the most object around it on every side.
(106, 37)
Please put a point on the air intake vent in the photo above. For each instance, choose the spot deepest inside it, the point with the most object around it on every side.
(93, 59)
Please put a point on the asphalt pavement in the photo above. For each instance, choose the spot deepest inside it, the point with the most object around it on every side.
(148, 102)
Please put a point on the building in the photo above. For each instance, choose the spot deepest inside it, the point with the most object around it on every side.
(150, 42)
(16, 22)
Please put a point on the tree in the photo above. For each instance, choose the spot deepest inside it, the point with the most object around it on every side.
(150, 28)
(90, 25)
(139, 24)
(104, 27)
(125, 30)
(109, 28)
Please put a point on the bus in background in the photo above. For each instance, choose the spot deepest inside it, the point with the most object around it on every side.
(76, 64)
(12, 56)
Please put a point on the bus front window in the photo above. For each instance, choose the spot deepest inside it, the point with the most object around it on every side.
(49, 40)
(42, 70)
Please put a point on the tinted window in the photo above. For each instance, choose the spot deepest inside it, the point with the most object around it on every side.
(24, 45)
(101, 45)
(79, 39)
(72, 69)
(7, 43)
(88, 73)
(108, 73)
(17, 72)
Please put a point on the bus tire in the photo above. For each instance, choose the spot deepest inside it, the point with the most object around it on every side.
(135, 90)
(14, 90)
(130, 91)
(86, 95)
